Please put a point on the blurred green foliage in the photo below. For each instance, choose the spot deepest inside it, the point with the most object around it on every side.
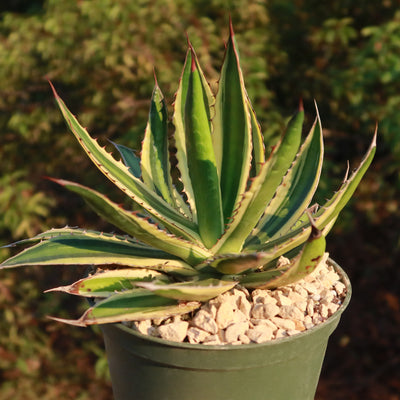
(101, 56)
(101, 59)
(25, 210)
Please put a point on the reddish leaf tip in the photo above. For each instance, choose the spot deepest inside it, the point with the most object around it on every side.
(193, 65)
(155, 77)
(301, 105)
(188, 40)
(232, 33)
(193, 54)
(53, 89)
(49, 178)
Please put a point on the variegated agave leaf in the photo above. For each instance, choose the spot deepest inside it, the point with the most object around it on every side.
(108, 282)
(135, 304)
(237, 210)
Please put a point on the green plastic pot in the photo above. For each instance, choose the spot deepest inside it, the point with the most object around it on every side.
(148, 368)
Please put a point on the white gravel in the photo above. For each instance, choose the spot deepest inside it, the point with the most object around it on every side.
(239, 317)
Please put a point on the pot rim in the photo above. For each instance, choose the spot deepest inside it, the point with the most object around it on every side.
(270, 343)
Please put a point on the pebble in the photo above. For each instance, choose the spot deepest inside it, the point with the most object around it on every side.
(299, 325)
(332, 308)
(245, 306)
(260, 334)
(213, 310)
(212, 339)
(311, 288)
(280, 333)
(290, 312)
(283, 323)
(263, 296)
(204, 320)
(297, 298)
(225, 315)
(270, 310)
(327, 295)
(143, 326)
(323, 311)
(282, 299)
(310, 307)
(264, 322)
(196, 335)
(298, 288)
(244, 339)
(234, 331)
(175, 331)
(340, 288)
(308, 322)
(292, 332)
(239, 317)
(257, 311)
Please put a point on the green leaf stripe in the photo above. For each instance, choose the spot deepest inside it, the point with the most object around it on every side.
(232, 130)
(201, 160)
(120, 175)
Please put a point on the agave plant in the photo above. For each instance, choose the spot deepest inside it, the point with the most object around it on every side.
(231, 213)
